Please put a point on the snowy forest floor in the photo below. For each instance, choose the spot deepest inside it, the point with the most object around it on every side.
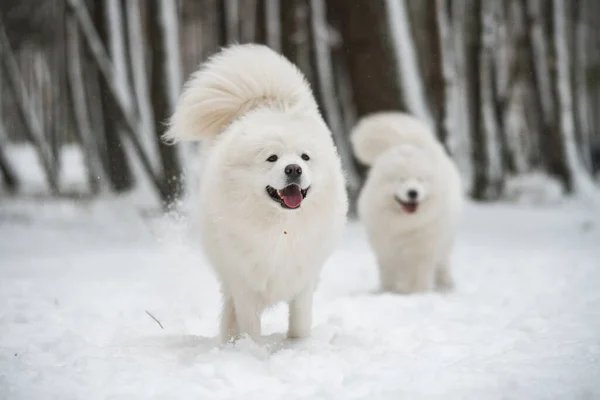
(78, 279)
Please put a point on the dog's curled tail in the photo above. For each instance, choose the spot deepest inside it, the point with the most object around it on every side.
(378, 132)
(233, 82)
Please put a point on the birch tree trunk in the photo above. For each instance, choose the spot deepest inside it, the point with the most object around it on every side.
(326, 80)
(406, 60)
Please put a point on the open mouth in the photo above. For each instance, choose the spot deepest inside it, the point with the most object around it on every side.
(409, 207)
(290, 197)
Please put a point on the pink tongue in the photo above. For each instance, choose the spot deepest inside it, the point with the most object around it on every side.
(291, 195)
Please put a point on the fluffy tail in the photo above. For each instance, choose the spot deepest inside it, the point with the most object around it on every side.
(230, 84)
(376, 133)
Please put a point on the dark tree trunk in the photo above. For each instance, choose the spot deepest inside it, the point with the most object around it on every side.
(555, 148)
(119, 170)
(31, 121)
(366, 40)
(296, 37)
(80, 111)
(479, 42)
(162, 103)
(473, 49)
(436, 82)
(9, 176)
(327, 90)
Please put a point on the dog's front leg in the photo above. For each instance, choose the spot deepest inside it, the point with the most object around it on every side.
(300, 320)
(421, 275)
(443, 277)
(229, 324)
(248, 313)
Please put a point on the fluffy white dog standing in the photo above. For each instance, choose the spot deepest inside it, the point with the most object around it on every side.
(272, 202)
(411, 201)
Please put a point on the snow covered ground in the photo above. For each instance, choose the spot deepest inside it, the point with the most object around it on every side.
(78, 279)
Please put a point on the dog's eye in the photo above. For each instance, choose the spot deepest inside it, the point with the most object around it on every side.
(305, 157)
(272, 158)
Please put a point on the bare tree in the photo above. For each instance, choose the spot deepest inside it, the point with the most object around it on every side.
(510, 87)
(121, 105)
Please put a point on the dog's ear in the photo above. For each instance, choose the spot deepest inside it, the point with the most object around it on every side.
(379, 132)
(232, 83)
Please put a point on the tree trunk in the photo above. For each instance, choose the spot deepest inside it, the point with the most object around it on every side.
(406, 60)
(9, 176)
(580, 89)
(439, 73)
(138, 60)
(231, 11)
(272, 15)
(31, 121)
(83, 129)
(328, 94)
(373, 69)
(473, 54)
(540, 38)
(461, 144)
(166, 84)
(295, 29)
(119, 170)
(576, 177)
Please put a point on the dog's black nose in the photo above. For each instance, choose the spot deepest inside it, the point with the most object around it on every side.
(412, 194)
(293, 171)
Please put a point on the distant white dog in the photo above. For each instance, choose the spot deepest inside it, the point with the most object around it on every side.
(272, 202)
(411, 201)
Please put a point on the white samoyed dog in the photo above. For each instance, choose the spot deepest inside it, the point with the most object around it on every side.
(411, 202)
(272, 202)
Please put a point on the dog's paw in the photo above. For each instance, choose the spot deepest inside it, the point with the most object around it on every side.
(298, 333)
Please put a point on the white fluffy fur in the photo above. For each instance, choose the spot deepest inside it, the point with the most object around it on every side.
(412, 249)
(381, 131)
(232, 83)
(252, 103)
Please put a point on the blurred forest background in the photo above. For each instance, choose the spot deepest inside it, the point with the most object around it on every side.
(512, 87)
